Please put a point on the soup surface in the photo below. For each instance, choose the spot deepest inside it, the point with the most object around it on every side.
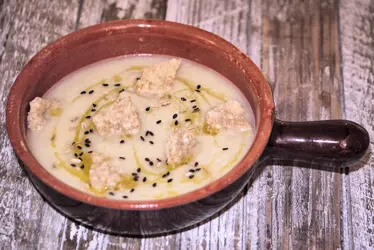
(106, 130)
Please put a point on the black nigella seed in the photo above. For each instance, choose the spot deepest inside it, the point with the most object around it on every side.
(175, 116)
(82, 167)
(196, 110)
(183, 99)
(151, 163)
(136, 178)
(198, 86)
(165, 175)
(87, 140)
(194, 107)
(193, 100)
(73, 143)
(147, 108)
(159, 160)
(75, 154)
(176, 123)
(151, 133)
(225, 148)
(111, 193)
(125, 197)
(122, 141)
(196, 164)
(88, 117)
(138, 170)
(86, 132)
(87, 145)
(80, 159)
(91, 130)
(81, 154)
(132, 190)
(105, 84)
(192, 171)
(187, 120)
(146, 159)
(93, 110)
(146, 133)
(91, 92)
(142, 138)
(144, 179)
(134, 174)
(121, 90)
(138, 78)
(79, 147)
(197, 90)
(154, 184)
(94, 105)
(83, 92)
(170, 180)
(90, 152)
(73, 165)
(191, 176)
(122, 158)
(198, 169)
(151, 142)
(158, 122)
(117, 84)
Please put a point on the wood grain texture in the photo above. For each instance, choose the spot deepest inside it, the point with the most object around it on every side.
(25, 27)
(301, 60)
(357, 42)
(93, 12)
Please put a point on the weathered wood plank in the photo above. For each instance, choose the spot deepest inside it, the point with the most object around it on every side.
(25, 28)
(299, 59)
(94, 12)
(357, 41)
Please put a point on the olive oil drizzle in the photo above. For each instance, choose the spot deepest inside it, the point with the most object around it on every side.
(92, 86)
(53, 138)
(234, 159)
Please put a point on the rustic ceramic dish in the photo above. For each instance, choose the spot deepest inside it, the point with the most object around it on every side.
(342, 142)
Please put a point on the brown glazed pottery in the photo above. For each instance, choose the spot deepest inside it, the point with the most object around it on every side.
(335, 142)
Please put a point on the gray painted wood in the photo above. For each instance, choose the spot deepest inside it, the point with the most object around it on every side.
(25, 27)
(357, 41)
(296, 44)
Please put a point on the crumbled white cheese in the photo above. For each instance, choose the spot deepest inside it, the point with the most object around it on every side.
(229, 115)
(157, 80)
(119, 118)
(102, 175)
(38, 113)
(179, 146)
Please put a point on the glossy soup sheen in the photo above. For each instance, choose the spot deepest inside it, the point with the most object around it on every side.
(142, 155)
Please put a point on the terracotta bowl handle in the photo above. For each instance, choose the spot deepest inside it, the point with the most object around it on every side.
(333, 141)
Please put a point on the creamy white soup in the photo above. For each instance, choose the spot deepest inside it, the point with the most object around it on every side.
(140, 127)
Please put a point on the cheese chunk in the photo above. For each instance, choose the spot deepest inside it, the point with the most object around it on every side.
(119, 118)
(102, 175)
(38, 115)
(229, 115)
(179, 146)
(157, 80)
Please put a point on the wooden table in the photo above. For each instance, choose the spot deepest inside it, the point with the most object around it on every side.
(318, 56)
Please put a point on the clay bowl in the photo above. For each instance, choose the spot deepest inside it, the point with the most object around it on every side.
(334, 142)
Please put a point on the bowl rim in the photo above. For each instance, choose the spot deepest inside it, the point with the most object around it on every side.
(19, 144)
